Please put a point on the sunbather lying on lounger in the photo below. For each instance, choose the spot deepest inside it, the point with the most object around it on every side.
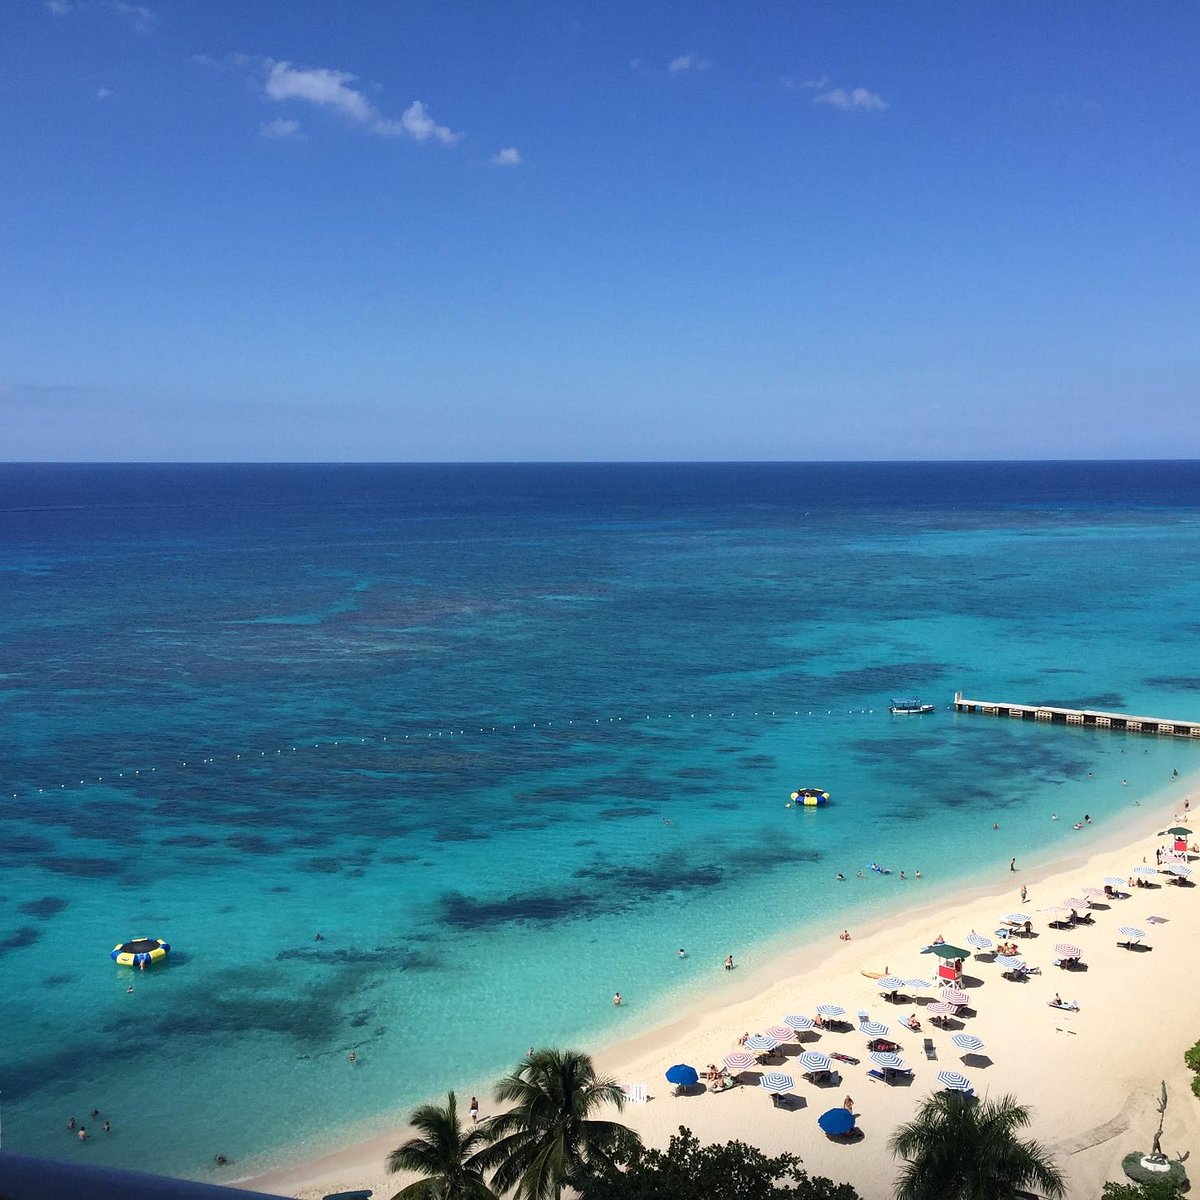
(1068, 1005)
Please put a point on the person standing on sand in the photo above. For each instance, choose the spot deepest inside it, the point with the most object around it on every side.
(1024, 894)
(848, 1104)
(474, 1110)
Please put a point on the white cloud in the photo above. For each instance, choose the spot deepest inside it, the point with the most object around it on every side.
(103, 93)
(331, 89)
(142, 19)
(855, 98)
(60, 8)
(808, 85)
(688, 62)
(280, 129)
(510, 156)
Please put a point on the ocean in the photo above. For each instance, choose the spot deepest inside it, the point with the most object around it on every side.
(507, 737)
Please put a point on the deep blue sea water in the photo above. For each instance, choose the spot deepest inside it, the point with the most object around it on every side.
(508, 737)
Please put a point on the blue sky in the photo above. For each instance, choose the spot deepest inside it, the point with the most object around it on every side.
(390, 231)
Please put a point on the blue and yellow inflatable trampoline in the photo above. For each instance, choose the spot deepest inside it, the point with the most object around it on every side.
(140, 952)
(809, 798)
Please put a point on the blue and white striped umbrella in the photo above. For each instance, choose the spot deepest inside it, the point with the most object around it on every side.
(831, 1010)
(892, 1061)
(918, 985)
(739, 1061)
(1130, 932)
(1180, 870)
(1020, 918)
(979, 941)
(955, 996)
(777, 1081)
(814, 1060)
(953, 1081)
(1009, 962)
(799, 1023)
(889, 983)
(1146, 871)
(760, 1041)
(1115, 881)
(873, 1029)
(968, 1042)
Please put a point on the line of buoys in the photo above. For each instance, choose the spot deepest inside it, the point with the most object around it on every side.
(362, 741)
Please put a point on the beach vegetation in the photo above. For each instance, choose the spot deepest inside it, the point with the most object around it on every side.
(550, 1137)
(445, 1152)
(958, 1149)
(686, 1170)
(1192, 1058)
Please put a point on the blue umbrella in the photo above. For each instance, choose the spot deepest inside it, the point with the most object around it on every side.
(968, 1042)
(917, 985)
(1130, 931)
(873, 1029)
(892, 1061)
(979, 941)
(837, 1122)
(798, 1023)
(889, 983)
(777, 1081)
(682, 1074)
(1017, 918)
(814, 1060)
(1180, 870)
(1009, 962)
(953, 1081)
(1146, 871)
(1115, 881)
(831, 1010)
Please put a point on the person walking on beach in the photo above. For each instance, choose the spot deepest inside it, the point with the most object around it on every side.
(474, 1110)
(1024, 894)
(1012, 864)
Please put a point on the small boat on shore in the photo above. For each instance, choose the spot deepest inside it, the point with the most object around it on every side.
(909, 705)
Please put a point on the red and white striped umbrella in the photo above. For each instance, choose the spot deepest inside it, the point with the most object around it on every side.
(954, 996)
(781, 1033)
(739, 1061)
(1097, 892)
(1075, 902)
(941, 1009)
(1066, 950)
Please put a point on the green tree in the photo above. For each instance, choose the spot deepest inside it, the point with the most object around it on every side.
(1154, 1189)
(959, 1150)
(446, 1154)
(687, 1170)
(550, 1137)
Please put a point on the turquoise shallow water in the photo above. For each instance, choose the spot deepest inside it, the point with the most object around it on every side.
(508, 737)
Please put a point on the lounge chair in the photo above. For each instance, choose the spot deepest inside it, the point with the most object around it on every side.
(1066, 1005)
(874, 1074)
(930, 1049)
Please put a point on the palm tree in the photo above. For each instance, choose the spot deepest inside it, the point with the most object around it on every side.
(959, 1150)
(549, 1137)
(447, 1155)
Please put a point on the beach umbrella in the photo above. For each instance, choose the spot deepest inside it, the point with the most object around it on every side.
(1075, 902)
(953, 1081)
(1055, 908)
(1115, 881)
(1130, 932)
(1097, 892)
(1180, 870)
(1066, 950)
(682, 1074)
(968, 1042)
(837, 1122)
(1018, 918)
(761, 1041)
(781, 1033)
(917, 985)
(945, 950)
(739, 1061)
(1009, 962)
(979, 941)
(954, 996)
(798, 1023)
(1145, 871)
(893, 1062)
(873, 1029)
(777, 1081)
(830, 1010)
(814, 1060)
(889, 983)
(941, 1009)
(1178, 831)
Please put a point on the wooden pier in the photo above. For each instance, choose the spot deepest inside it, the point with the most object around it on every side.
(1079, 716)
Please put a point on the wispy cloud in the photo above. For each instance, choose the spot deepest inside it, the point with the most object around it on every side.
(103, 93)
(333, 90)
(688, 62)
(852, 99)
(140, 18)
(804, 85)
(510, 156)
(281, 129)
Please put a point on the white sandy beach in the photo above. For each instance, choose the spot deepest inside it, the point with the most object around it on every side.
(1091, 1077)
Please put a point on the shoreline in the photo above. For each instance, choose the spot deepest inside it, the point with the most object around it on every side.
(715, 1009)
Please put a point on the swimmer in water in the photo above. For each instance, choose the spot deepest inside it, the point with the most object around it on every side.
(841, 878)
